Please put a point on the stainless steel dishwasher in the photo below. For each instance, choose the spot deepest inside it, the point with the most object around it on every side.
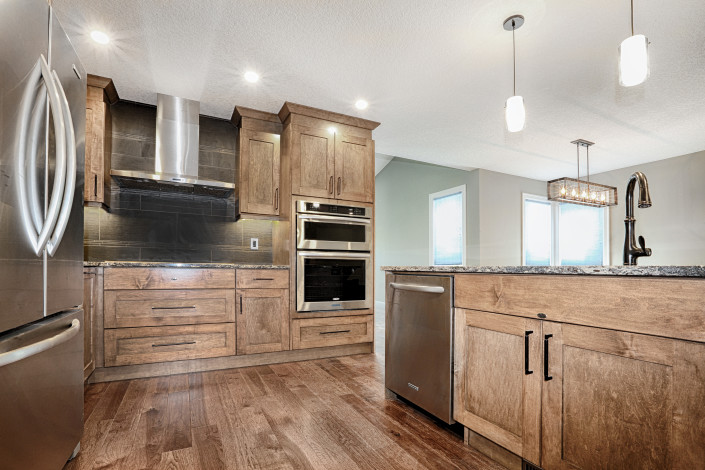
(419, 341)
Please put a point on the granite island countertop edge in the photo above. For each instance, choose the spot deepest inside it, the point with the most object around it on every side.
(643, 271)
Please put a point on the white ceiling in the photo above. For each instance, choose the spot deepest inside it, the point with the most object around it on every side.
(436, 74)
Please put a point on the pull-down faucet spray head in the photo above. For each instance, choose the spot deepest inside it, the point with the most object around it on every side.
(632, 251)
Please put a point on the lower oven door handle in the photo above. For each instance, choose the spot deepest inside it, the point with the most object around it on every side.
(418, 288)
(332, 254)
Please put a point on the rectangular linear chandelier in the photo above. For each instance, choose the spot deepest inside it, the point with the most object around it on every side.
(582, 192)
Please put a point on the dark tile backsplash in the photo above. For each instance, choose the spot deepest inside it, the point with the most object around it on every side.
(162, 226)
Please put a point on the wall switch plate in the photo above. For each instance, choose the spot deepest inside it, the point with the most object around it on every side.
(254, 243)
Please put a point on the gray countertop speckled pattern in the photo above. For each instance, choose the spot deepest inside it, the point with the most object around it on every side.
(152, 264)
(654, 271)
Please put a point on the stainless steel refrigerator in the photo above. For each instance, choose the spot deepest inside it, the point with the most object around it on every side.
(42, 141)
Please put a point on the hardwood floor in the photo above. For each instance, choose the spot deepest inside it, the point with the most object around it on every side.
(323, 414)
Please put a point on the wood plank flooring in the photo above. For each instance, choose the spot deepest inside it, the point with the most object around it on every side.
(322, 414)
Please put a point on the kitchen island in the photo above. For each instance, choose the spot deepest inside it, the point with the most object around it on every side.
(579, 367)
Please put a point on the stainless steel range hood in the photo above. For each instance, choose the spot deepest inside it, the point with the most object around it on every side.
(176, 159)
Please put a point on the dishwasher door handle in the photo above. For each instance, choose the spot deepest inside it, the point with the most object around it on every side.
(418, 288)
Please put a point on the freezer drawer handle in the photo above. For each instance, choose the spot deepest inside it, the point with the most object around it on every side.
(173, 344)
(418, 288)
(334, 332)
(15, 355)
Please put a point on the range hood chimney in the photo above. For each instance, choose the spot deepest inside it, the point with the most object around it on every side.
(176, 158)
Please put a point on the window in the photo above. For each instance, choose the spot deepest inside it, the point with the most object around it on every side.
(447, 227)
(561, 234)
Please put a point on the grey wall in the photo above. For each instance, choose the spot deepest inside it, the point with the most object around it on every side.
(500, 217)
(163, 226)
(401, 212)
(674, 226)
(402, 219)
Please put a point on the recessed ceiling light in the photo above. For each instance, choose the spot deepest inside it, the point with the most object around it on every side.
(332, 130)
(251, 76)
(100, 37)
(361, 104)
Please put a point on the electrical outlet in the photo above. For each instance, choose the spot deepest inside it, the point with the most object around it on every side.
(254, 243)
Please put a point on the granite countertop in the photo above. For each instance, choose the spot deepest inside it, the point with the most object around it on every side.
(157, 264)
(656, 271)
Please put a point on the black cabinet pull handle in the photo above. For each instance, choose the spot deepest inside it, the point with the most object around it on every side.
(333, 332)
(240, 305)
(263, 279)
(526, 353)
(95, 185)
(173, 344)
(276, 199)
(173, 308)
(546, 377)
(331, 185)
(339, 183)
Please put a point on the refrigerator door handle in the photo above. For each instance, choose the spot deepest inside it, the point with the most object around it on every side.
(39, 238)
(35, 137)
(70, 176)
(60, 171)
(33, 349)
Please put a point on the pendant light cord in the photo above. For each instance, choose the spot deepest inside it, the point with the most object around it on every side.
(577, 154)
(632, 9)
(587, 155)
(514, 57)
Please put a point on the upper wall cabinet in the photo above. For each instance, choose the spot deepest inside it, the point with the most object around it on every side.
(258, 179)
(354, 168)
(100, 94)
(330, 155)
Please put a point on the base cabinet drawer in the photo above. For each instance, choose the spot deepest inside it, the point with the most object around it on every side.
(129, 308)
(262, 279)
(126, 346)
(168, 278)
(336, 331)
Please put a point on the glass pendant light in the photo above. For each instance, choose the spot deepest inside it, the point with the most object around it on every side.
(633, 57)
(514, 111)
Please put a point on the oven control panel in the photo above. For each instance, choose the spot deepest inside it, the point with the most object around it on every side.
(321, 208)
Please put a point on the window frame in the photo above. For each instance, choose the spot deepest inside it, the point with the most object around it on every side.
(555, 224)
(462, 189)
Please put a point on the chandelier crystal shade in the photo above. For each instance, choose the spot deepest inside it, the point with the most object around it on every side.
(582, 191)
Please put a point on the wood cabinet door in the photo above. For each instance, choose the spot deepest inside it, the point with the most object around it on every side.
(259, 172)
(622, 400)
(89, 282)
(312, 162)
(262, 320)
(354, 168)
(497, 390)
(98, 148)
(93, 189)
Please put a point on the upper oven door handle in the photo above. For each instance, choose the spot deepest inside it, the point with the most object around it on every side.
(326, 218)
(332, 254)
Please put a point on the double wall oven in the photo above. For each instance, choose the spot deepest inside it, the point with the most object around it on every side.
(333, 257)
